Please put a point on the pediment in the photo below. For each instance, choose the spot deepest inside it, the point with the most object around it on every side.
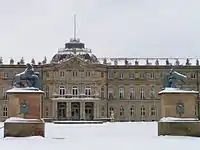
(74, 63)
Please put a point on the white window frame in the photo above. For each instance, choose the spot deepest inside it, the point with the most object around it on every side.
(62, 90)
(75, 91)
(88, 91)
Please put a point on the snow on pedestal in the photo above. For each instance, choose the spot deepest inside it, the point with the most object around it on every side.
(21, 120)
(24, 90)
(173, 119)
(177, 90)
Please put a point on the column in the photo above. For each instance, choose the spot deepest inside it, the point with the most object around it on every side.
(54, 109)
(69, 110)
(82, 110)
(96, 110)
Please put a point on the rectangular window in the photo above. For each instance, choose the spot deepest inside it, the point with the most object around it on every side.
(121, 76)
(110, 75)
(152, 75)
(5, 111)
(47, 112)
(102, 92)
(142, 75)
(74, 73)
(121, 93)
(4, 93)
(87, 74)
(131, 75)
(5, 75)
(110, 94)
(62, 73)
(132, 93)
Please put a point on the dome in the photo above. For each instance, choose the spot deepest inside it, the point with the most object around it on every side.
(75, 48)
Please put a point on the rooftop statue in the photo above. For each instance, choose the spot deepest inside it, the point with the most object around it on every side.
(171, 79)
(30, 77)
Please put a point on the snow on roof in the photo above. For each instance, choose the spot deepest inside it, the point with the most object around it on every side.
(173, 119)
(24, 90)
(177, 90)
(150, 61)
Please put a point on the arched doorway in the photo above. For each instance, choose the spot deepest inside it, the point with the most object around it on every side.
(75, 111)
(89, 110)
(61, 110)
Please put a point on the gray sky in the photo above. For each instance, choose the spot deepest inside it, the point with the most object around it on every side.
(114, 28)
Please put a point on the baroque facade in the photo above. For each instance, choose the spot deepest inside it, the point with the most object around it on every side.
(80, 86)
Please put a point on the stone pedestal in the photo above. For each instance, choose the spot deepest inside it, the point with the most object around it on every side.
(24, 112)
(20, 127)
(171, 98)
(179, 127)
(31, 97)
(178, 106)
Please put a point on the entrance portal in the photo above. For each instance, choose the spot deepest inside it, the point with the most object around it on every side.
(75, 110)
(61, 110)
(89, 110)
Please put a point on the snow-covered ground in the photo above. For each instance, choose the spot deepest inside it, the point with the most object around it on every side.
(115, 136)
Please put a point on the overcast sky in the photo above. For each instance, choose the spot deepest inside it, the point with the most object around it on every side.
(114, 28)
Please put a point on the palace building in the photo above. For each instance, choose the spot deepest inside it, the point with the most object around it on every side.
(81, 86)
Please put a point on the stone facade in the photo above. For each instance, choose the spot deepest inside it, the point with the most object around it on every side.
(76, 89)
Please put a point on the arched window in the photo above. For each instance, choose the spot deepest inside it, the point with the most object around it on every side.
(121, 111)
(75, 91)
(88, 91)
(62, 90)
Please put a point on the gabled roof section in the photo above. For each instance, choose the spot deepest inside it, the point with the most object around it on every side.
(77, 63)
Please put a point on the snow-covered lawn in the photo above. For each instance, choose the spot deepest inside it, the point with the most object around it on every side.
(109, 136)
